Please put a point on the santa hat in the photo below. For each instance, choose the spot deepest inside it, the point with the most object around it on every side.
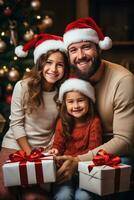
(75, 84)
(85, 29)
(42, 44)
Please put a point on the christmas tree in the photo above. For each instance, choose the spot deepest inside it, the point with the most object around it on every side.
(20, 21)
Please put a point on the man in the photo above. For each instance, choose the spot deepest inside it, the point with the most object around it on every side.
(114, 87)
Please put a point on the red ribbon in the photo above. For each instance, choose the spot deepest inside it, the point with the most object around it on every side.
(20, 156)
(104, 158)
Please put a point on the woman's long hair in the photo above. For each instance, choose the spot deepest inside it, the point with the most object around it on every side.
(68, 121)
(36, 81)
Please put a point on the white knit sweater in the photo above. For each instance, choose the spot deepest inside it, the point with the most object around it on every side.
(38, 126)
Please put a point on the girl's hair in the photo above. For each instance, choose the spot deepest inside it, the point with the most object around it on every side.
(68, 121)
(36, 81)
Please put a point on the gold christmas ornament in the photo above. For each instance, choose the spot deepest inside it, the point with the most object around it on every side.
(47, 21)
(35, 4)
(26, 24)
(2, 46)
(1, 2)
(13, 75)
(9, 87)
(29, 35)
(5, 68)
(2, 73)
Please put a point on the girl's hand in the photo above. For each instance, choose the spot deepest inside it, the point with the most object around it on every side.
(53, 151)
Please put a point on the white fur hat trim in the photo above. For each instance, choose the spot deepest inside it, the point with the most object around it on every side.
(78, 35)
(46, 46)
(86, 34)
(74, 84)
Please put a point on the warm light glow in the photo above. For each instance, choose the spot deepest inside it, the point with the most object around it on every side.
(38, 17)
(5, 68)
(15, 58)
(3, 33)
(28, 69)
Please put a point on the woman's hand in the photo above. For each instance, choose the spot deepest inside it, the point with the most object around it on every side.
(24, 145)
(68, 167)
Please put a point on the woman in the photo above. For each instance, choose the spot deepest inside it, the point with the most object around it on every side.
(33, 107)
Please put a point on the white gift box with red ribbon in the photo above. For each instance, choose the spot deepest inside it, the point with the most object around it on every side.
(25, 172)
(104, 180)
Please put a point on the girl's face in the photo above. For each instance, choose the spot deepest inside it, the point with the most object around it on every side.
(53, 69)
(77, 104)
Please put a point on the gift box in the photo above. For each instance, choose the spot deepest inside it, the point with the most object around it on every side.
(104, 180)
(24, 172)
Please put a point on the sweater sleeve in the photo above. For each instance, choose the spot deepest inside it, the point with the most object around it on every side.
(59, 140)
(123, 122)
(17, 111)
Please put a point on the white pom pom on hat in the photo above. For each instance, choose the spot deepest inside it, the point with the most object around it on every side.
(20, 52)
(76, 84)
(106, 43)
(42, 44)
(85, 29)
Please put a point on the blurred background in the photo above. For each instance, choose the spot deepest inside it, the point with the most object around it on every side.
(21, 20)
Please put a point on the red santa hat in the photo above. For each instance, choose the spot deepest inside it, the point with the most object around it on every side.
(85, 29)
(42, 44)
(76, 84)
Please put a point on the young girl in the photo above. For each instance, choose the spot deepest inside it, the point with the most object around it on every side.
(33, 107)
(77, 131)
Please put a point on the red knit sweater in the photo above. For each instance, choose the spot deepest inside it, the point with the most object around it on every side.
(83, 138)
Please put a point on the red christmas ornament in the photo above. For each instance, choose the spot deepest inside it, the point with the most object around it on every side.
(8, 11)
(8, 99)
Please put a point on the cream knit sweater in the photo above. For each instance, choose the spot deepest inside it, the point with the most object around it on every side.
(115, 103)
(38, 126)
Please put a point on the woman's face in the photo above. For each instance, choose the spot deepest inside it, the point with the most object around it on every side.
(54, 68)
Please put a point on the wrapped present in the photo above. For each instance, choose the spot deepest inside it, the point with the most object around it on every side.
(2, 123)
(104, 175)
(33, 169)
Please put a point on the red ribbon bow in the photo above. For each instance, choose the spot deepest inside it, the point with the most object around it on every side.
(21, 155)
(104, 158)
(35, 156)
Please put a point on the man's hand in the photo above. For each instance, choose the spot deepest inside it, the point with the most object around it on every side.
(68, 166)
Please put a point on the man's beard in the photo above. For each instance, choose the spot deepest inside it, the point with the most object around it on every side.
(90, 72)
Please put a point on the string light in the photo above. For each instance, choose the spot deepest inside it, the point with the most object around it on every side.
(28, 69)
(38, 17)
(5, 68)
(15, 58)
(3, 33)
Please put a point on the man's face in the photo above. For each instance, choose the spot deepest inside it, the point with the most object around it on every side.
(85, 59)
